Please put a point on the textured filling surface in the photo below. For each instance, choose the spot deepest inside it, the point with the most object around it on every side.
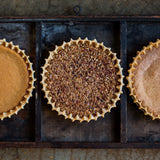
(81, 79)
(147, 80)
(13, 79)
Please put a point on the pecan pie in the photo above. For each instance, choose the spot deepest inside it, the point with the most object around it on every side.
(82, 79)
(16, 79)
(144, 79)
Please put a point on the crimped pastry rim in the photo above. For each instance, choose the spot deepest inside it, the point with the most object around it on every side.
(30, 88)
(85, 118)
(133, 65)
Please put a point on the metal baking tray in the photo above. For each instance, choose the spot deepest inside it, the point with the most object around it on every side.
(37, 126)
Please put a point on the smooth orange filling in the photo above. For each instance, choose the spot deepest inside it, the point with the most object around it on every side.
(13, 79)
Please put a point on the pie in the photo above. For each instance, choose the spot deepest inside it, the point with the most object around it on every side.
(144, 79)
(16, 79)
(82, 79)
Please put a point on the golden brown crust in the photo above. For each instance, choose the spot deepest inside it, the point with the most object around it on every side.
(133, 66)
(91, 116)
(30, 80)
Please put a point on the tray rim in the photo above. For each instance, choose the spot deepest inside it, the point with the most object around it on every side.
(79, 18)
(80, 145)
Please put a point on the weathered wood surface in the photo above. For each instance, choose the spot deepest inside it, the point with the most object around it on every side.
(88, 7)
(78, 154)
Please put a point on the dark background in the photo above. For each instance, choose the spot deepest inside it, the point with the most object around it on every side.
(85, 8)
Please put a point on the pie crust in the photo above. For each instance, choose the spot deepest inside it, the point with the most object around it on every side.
(74, 83)
(144, 79)
(16, 79)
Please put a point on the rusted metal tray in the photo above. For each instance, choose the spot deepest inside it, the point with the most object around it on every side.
(37, 126)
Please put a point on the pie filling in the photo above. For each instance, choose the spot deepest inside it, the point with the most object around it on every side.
(81, 79)
(147, 80)
(13, 79)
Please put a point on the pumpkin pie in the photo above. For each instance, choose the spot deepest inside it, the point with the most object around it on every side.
(82, 79)
(144, 79)
(16, 79)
